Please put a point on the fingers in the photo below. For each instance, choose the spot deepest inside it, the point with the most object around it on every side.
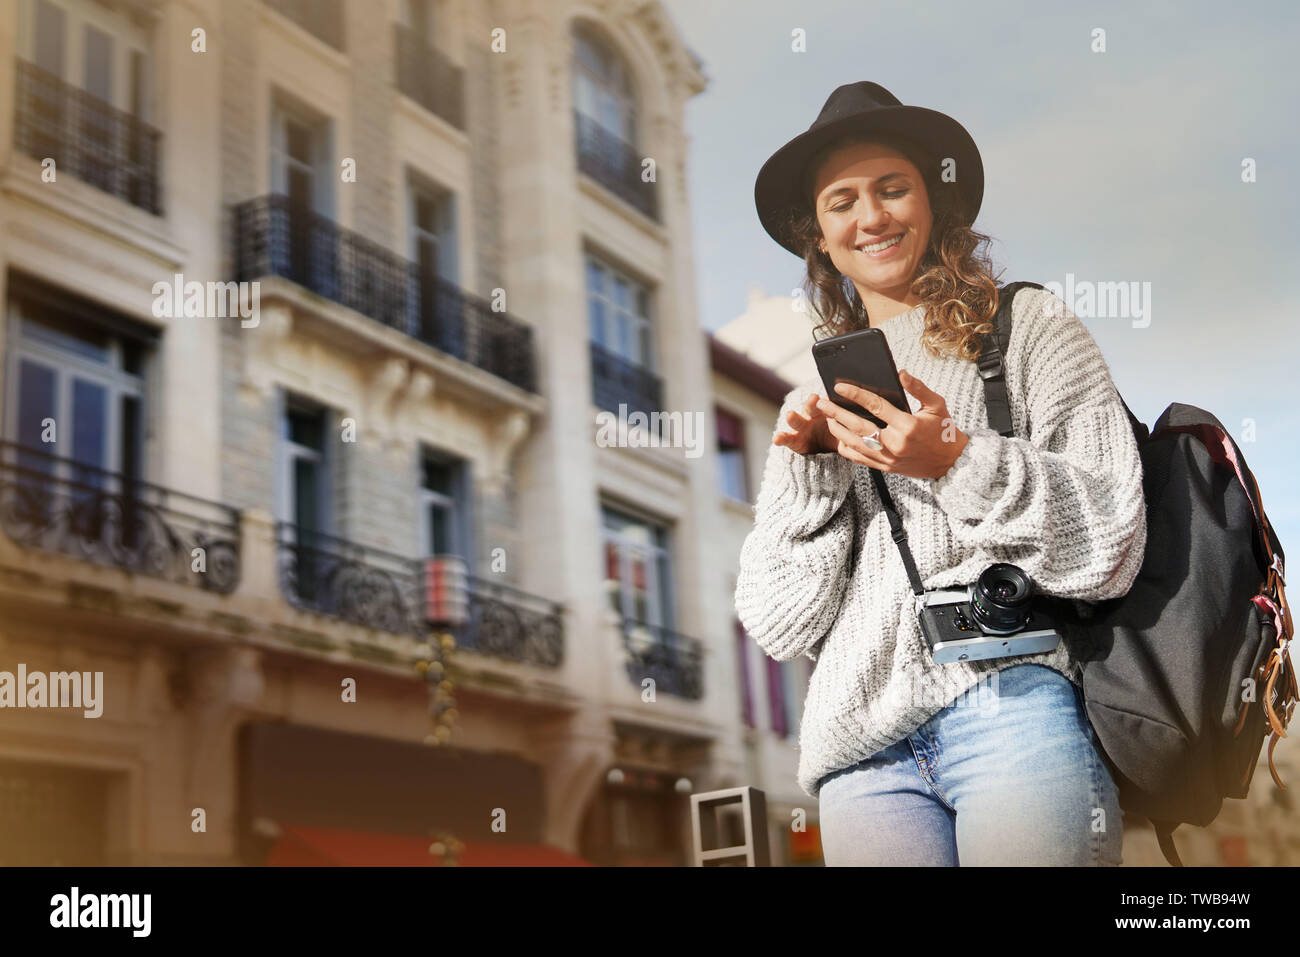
(885, 411)
(851, 447)
(928, 398)
(850, 420)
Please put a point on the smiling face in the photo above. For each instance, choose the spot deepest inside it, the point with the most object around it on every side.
(875, 218)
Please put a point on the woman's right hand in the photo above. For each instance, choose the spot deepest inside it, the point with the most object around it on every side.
(811, 433)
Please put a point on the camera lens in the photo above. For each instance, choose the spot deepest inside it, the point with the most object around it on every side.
(1000, 597)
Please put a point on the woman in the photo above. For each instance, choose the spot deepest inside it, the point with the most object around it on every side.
(913, 762)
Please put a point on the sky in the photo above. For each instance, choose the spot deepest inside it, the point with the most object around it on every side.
(1116, 166)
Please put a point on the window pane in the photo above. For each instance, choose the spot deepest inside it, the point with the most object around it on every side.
(299, 139)
(622, 294)
(664, 591)
(731, 472)
(49, 37)
(776, 698)
(35, 403)
(742, 665)
(613, 578)
(595, 277)
(132, 357)
(129, 447)
(439, 476)
(425, 218)
(624, 341)
(306, 428)
(596, 311)
(136, 102)
(588, 53)
(99, 64)
(306, 497)
(584, 95)
(440, 530)
(89, 422)
(36, 385)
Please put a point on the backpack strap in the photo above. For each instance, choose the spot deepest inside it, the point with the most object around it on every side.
(992, 366)
(1165, 835)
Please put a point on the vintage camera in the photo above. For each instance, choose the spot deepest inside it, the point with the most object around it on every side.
(995, 617)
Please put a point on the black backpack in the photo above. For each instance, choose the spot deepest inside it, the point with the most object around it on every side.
(1188, 672)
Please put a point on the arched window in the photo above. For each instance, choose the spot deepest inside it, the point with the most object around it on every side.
(603, 85)
(604, 105)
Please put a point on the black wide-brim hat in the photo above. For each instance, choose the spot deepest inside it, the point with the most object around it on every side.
(864, 107)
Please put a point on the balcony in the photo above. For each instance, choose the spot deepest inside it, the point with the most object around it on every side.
(507, 623)
(614, 163)
(616, 381)
(56, 505)
(378, 589)
(339, 578)
(274, 237)
(427, 76)
(86, 137)
(673, 660)
(323, 19)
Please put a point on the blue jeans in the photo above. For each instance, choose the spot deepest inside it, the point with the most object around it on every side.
(1011, 776)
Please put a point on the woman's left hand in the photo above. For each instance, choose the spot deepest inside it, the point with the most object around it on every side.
(924, 444)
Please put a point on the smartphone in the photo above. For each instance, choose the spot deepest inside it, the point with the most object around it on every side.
(862, 358)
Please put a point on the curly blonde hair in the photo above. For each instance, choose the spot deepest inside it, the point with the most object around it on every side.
(955, 278)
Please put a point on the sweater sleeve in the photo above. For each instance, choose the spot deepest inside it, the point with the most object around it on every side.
(795, 562)
(1066, 505)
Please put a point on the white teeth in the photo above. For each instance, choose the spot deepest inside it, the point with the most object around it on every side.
(876, 247)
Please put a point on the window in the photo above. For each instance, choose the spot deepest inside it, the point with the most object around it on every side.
(301, 175)
(82, 96)
(92, 46)
(301, 158)
(637, 570)
(734, 482)
(420, 17)
(304, 492)
(603, 86)
(303, 428)
(444, 506)
(440, 317)
(619, 311)
(80, 383)
(47, 42)
(777, 696)
(743, 642)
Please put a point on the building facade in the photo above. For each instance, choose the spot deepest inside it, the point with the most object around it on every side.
(299, 296)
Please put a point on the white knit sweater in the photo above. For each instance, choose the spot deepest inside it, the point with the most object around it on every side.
(820, 574)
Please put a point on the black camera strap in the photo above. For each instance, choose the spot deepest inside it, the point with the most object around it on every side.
(993, 373)
(899, 533)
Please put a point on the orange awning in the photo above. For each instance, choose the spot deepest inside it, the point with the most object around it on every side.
(335, 847)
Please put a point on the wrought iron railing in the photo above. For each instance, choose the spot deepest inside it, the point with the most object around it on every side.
(86, 137)
(361, 585)
(615, 381)
(274, 237)
(614, 163)
(427, 76)
(323, 19)
(512, 624)
(58, 505)
(673, 660)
